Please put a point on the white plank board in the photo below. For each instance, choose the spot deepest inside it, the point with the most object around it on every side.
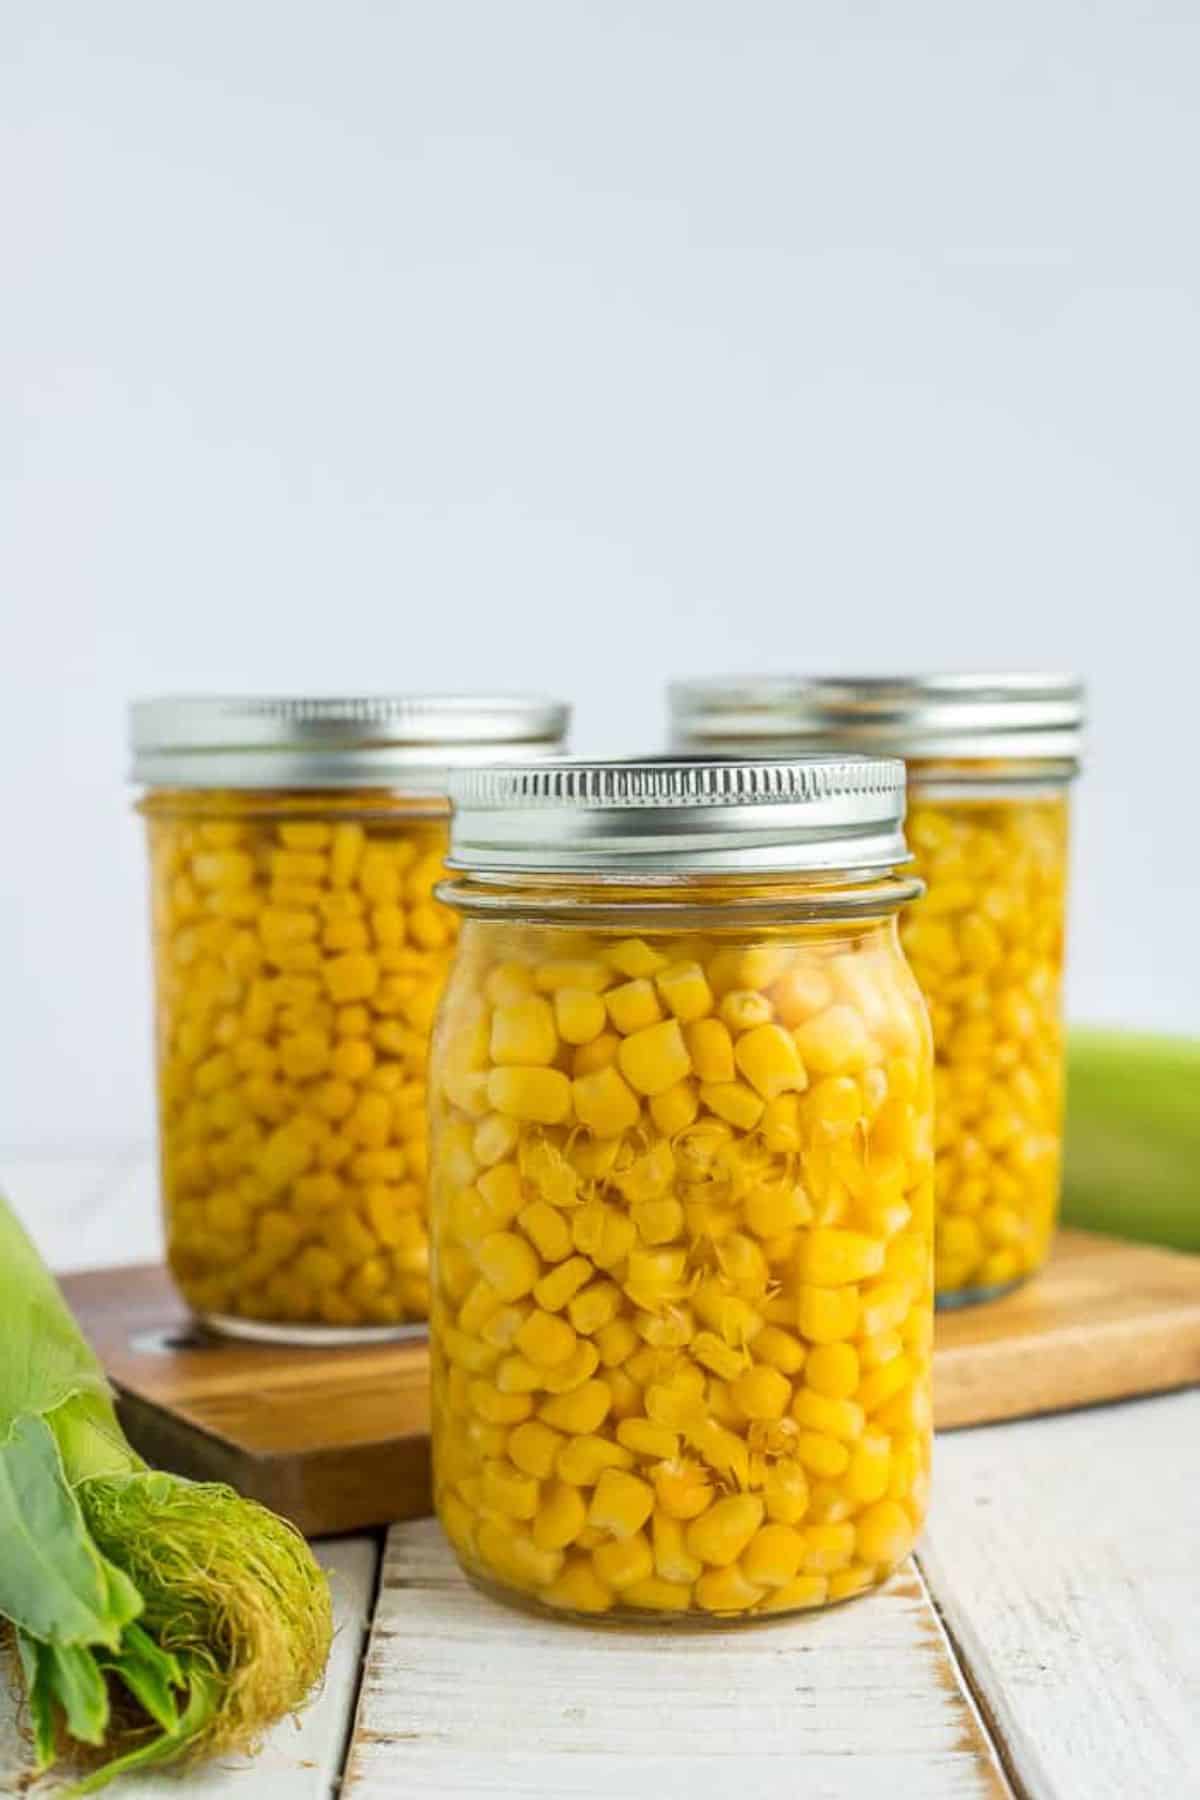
(300, 1760)
(462, 1696)
(1065, 1556)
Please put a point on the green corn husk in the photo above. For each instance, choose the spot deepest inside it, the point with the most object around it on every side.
(1132, 1151)
(154, 1618)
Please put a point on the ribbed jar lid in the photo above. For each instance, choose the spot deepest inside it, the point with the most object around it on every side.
(664, 816)
(393, 740)
(1024, 716)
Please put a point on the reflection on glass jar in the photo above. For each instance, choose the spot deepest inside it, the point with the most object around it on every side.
(299, 959)
(681, 1203)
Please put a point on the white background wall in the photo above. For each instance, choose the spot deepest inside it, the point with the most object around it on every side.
(494, 343)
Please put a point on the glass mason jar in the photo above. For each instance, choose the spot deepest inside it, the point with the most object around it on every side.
(990, 759)
(681, 1189)
(299, 955)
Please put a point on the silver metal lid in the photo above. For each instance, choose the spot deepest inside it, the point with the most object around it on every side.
(1027, 717)
(664, 816)
(396, 740)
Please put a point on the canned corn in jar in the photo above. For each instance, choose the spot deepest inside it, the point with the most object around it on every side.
(299, 956)
(681, 1189)
(990, 759)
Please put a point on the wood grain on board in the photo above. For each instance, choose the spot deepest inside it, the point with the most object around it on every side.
(337, 1439)
(462, 1696)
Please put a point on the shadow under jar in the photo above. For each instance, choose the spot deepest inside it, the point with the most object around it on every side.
(990, 760)
(299, 955)
(681, 1194)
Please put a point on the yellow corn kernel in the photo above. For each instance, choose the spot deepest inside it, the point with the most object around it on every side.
(768, 1058)
(821, 1455)
(507, 982)
(604, 1103)
(827, 1547)
(579, 1367)
(773, 1556)
(885, 1305)
(867, 1477)
(853, 1580)
(734, 1102)
(595, 1307)
(581, 1411)
(540, 1096)
(502, 1327)
(645, 1438)
(803, 1592)
(675, 1108)
(603, 1233)
(656, 1595)
(715, 1354)
(731, 1317)
(571, 973)
(506, 1490)
(885, 1533)
(622, 1561)
(354, 976)
(685, 990)
(524, 1033)
(837, 1418)
(615, 1342)
(710, 1049)
(785, 1491)
(682, 1487)
(634, 958)
(772, 1210)
(742, 1009)
(726, 1590)
(720, 1534)
(533, 1448)
(601, 1053)
(779, 1350)
(546, 1229)
(579, 1014)
(831, 1257)
(832, 1370)
(655, 1058)
(621, 1503)
(583, 1459)
(494, 1139)
(672, 1560)
(803, 991)
(825, 1314)
(884, 1383)
(835, 1042)
(633, 1006)
(508, 1264)
(560, 1518)
(577, 1588)
(545, 1339)
(556, 1287)
(497, 1408)
(762, 1392)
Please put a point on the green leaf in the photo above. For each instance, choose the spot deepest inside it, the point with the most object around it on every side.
(150, 1673)
(203, 1699)
(44, 1357)
(35, 1666)
(54, 1583)
(79, 1687)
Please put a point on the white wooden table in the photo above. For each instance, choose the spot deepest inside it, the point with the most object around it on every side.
(1045, 1642)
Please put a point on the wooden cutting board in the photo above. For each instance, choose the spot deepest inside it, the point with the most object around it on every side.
(338, 1439)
